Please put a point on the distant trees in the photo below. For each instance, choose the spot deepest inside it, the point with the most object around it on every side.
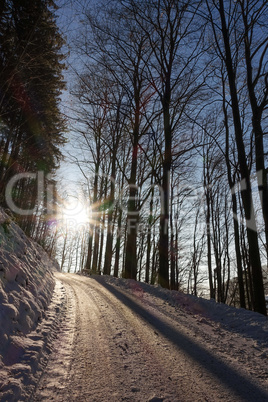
(31, 81)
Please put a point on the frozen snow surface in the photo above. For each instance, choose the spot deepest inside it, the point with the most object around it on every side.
(38, 319)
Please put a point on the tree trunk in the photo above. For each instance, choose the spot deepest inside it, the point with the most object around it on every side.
(234, 207)
(118, 244)
(163, 273)
(149, 238)
(257, 111)
(172, 246)
(110, 228)
(132, 215)
(97, 220)
(89, 249)
(208, 231)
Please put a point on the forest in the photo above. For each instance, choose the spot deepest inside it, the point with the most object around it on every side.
(168, 127)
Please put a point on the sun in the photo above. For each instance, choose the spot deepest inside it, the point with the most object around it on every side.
(74, 212)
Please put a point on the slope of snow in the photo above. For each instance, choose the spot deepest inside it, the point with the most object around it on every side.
(247, 323)
(26, 288)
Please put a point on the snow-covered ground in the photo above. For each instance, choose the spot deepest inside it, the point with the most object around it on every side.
(248, 323)
(136, 338)
(127, 341)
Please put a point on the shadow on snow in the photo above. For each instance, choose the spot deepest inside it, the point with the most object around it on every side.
(239, 384)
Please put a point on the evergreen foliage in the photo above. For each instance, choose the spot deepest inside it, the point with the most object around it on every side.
(31, 81)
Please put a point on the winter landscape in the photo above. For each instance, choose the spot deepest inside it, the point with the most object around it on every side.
(134, 200)
(99, 338)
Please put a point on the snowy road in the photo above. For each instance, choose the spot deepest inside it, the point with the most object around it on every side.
(120, 345)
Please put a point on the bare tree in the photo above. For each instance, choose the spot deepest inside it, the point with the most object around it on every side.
(167, 27)
(221, 22)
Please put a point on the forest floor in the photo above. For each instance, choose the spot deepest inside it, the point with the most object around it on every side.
(125, 341)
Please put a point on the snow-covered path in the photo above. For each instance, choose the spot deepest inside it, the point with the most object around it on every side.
(128, 345)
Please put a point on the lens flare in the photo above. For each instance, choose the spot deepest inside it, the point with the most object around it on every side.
(74, 212)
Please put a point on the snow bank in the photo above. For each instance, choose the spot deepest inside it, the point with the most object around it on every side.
(235, 320)
(26, 287)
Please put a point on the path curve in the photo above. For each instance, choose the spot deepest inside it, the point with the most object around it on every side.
(119, 347)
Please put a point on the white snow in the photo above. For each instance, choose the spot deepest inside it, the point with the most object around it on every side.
(248, 323)
(136, 342)
(26, 288)
(33, 315)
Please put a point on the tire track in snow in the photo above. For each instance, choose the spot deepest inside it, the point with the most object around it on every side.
(55, 374)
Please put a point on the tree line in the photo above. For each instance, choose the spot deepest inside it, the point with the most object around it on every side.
(171, 119)
(170, 124)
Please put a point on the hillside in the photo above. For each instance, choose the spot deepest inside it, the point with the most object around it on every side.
(26, 289)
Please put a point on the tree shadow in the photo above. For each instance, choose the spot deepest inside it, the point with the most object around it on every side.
(240, 385)
(234, 320)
